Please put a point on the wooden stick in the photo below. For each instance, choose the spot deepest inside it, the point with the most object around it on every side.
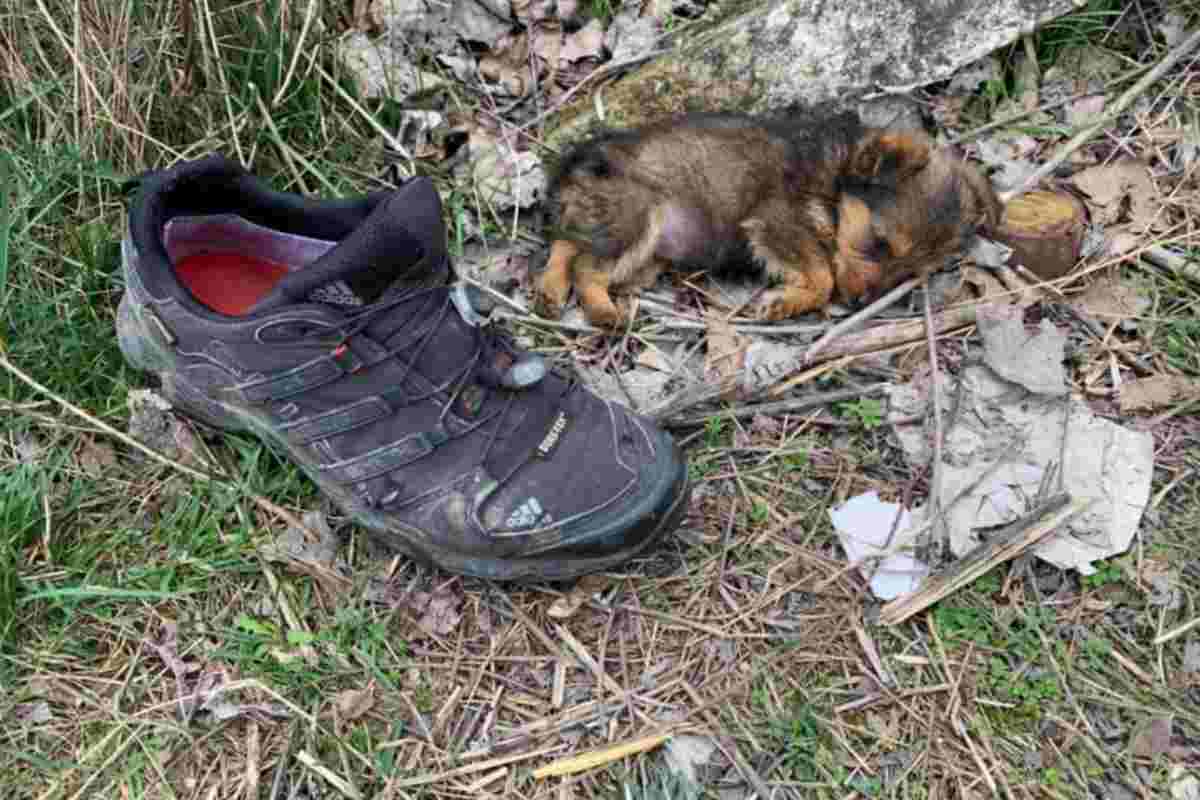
(1022, 536)
(1110, 113)
(859, 317)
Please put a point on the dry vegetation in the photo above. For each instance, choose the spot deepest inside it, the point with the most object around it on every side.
(152, 647)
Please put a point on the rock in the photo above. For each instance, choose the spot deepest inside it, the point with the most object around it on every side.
(769, 55)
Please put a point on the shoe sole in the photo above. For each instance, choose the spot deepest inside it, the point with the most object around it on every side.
(665, 511)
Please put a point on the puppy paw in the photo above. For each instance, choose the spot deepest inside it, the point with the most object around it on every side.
(549, 297)
(779, 304)
(613, 316)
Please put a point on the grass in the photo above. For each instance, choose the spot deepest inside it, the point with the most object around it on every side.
(125, 585)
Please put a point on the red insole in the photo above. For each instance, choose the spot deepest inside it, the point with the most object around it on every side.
(229, 283)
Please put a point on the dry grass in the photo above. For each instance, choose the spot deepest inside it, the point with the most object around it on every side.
(149, 647)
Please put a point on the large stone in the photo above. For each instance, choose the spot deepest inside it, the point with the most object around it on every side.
(768, 55)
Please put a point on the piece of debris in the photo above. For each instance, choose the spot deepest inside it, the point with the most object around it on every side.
(566, 606)
(95, 457)
(1003, 155)
(351, 704)
(1184, 785)
(1034, 361)
(598, 758)
(480, 21)
(631, 35)
(866, 527)
(1045, 229)
(315, 543)
(1154, 738)
(35, 713)
(1108, 186)
(985, 557)
(1156, 391)
(152, 423)
(686, 753)
(726, 352)
(438, 611)
(1109, 301)
(1001, 446)
(1085, 110)
(416, 131)
(504, 176)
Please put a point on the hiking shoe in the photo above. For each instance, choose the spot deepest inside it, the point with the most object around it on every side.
(329, 329)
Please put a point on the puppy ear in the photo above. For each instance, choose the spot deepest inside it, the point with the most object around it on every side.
(888, 158)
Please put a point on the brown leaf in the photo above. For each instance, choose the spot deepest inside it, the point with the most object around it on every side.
(566, 606)
(439, 614)
(587, 42)
(1111, 301)
(1153, 739)
(96, 457)
(1109, 184)
(507, 64)
(726, 350)
(1156, 391)
(353, 703)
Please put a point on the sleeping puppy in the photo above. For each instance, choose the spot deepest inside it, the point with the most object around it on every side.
(829, 208)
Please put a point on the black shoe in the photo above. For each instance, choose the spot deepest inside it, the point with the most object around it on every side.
(327, 328)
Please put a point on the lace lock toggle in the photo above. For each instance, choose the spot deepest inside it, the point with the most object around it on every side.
(473, 305)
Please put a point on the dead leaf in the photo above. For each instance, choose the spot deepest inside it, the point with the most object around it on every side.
(1153, 739)
(1085, 110)
(508, 63)
(1109, 184)
(1191, 657)
(439, 614)
(565, 607)
(587, 42)
(353, 703)
(654, 358)
(726, 354)
(35, 713)
(1111, 301)
(1003, 155)
(686, 753)
(96, 457)
(769, 426)
(1156, 391)
(1031, 360)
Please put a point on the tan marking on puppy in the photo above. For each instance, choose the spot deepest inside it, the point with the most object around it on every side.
(807, 279)
(554, 284)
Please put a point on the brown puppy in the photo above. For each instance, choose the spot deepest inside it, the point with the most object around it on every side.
(821, 205)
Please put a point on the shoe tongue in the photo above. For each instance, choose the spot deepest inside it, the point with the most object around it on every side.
(400, 245)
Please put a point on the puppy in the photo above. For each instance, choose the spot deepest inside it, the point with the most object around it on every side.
(828, 207)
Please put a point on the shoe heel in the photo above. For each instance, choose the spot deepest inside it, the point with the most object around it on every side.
(195, 404)
(134, 340)
(142, 352)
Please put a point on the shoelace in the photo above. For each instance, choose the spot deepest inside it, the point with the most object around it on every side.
(490, 343)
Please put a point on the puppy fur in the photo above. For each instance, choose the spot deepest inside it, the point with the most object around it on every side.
(828, 207)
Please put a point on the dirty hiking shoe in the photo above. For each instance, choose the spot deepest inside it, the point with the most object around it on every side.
(329, 330)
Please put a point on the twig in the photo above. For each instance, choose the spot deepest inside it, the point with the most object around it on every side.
(104, 426)
(1178, 263)
(598, 72)
(935, 486)
(862, 316)
(1110, 113)
(1022, 536)
(1000, 123)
